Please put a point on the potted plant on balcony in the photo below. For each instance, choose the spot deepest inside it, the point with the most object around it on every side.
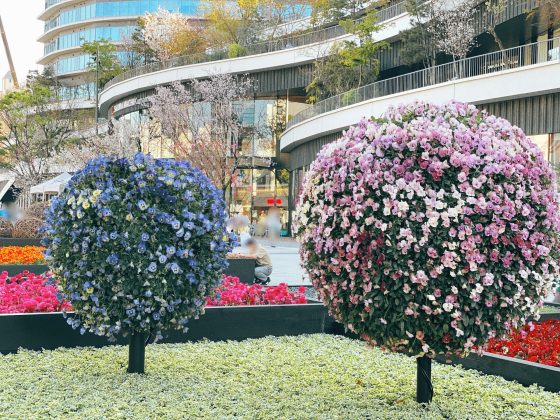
(137, 245)
(430, 230)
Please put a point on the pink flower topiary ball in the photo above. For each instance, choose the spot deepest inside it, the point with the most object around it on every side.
(431, 229)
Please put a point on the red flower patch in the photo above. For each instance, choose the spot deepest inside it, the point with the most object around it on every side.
(234, 293)
(537, 342)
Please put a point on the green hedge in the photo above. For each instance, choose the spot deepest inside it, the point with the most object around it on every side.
(308, 377)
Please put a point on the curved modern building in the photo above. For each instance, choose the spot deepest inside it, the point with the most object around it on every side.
(520, 83)
(70, 23)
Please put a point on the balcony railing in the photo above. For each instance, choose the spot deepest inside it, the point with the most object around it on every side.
(283, 43)
(522, 56)
(49, 3)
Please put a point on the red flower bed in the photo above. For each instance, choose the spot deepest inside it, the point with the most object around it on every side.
(537, 342)
(28, 292)
(234, 293)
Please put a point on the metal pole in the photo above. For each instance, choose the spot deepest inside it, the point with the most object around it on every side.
(8, 55)
(97, 91)
(424, 389)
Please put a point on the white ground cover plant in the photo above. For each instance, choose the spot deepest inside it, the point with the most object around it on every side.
(306, 377)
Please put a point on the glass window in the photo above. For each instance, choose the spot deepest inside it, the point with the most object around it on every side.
(120, 8)
(554, 151)
(86, 91)
(76, 39)
(79, 63)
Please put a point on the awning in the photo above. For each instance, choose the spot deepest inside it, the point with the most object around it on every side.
(52, 186)
(5, 186)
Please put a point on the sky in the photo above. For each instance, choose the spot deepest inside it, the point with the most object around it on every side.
(23, 28)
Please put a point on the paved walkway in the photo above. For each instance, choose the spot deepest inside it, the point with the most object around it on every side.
(286, 268)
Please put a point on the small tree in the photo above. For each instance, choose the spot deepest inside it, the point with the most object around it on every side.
(37, 126)
(204, 120)
(137, 50)
(232, 22)
(328, 11)
(104, 63)
(494, 10)
(349, 64)
(430, 230)
(242, 22)
(137, 245)
(417, 42)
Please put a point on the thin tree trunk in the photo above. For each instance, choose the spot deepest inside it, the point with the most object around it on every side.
(500, 44)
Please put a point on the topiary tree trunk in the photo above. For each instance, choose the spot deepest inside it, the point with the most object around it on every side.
(136, 353)
(424, 389)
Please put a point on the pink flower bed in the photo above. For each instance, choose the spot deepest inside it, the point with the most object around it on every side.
(27, 293)
(234, 293)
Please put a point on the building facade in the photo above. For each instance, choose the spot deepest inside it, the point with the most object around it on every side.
(520, 83)
(70, 23)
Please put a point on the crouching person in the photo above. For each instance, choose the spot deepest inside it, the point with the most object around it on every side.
(263, 264)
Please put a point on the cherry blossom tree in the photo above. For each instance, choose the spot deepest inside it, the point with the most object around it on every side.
(453, 29)
(119, 138)
(204, 121)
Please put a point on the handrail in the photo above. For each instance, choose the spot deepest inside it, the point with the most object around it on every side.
(522, 56)
(49, 3)
(256, 48)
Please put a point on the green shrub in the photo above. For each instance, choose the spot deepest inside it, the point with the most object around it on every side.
(236, 50)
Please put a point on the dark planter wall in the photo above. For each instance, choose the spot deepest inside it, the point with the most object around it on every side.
(50, 330)
(14, 269)
(19, 242)
(526, 373)
(546, 317)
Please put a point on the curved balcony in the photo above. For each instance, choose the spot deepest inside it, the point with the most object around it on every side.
(69, 43)
(49, 35)
(527, 70)
(281, 53)
(53, 6)
(89, 10)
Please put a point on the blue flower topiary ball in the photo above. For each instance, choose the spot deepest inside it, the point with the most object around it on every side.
(137, 244)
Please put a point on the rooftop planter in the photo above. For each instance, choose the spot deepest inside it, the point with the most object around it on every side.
(38, 331)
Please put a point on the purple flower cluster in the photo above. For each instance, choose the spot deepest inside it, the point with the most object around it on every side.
(431, 229)
(137, 245)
